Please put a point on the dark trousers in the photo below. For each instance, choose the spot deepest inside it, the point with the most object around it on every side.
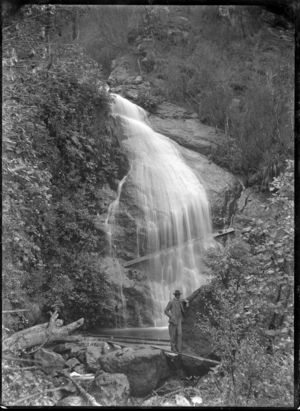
(175, 332)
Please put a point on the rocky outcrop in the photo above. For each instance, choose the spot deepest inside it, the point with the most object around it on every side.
(196, 143)
(194, 340)
(93, 353)
(143, 367)
(184, 127)
(110, 389)
(222, 187)
(250, 205)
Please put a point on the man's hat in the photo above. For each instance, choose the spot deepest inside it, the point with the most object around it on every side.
(177, 292)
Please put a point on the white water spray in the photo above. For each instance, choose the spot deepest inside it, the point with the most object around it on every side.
(109, 228)
(175, 208)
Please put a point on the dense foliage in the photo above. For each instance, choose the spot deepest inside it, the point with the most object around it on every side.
(59, 160)
(238, 76)
(252, 325)
(58, 154)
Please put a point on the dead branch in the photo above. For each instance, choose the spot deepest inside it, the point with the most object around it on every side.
(39, 334)
(6, 357)
(86, 395)
(12, 311)
(35, 367)
(31, 352)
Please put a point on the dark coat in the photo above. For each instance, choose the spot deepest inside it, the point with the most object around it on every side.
(172, 312)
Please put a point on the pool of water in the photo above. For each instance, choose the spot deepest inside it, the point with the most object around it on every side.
(151, 332)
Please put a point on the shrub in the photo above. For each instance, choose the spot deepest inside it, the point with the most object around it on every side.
(251, 326)
(58, 153)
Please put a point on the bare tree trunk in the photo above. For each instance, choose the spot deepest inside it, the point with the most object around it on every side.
(39, 334)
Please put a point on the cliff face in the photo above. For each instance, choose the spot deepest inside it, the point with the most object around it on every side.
(196, 141)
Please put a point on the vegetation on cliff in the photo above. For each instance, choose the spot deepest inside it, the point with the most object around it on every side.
(58, 155)
(234, 71)
(252, 325)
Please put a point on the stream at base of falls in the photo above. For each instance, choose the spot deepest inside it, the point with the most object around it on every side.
(160, 333)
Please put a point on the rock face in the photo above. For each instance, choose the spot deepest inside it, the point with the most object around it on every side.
(223, 188)
(181, 126)
(110, 389)
(194, 341)
(143, 367)
(194, 140)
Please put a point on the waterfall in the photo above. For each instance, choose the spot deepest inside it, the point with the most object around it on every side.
(174, 208)
(120, 310)
(110, 219)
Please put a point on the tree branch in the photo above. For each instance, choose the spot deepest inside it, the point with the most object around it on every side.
(86, 395)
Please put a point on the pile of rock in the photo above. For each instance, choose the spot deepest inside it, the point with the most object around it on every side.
(109, 373)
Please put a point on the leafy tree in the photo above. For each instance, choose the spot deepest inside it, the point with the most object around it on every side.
(251, 325)
(58, 154)
(239, 81)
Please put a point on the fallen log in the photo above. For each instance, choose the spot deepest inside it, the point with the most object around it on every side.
(38, 335)
(37, 328)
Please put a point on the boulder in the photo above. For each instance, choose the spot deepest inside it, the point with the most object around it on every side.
(76, 350)
(181, 126)
(72, 362)
(223, 188)
(250, 206)
(60, 348)
(49, 359)
(71, 401)
(34, 313)
(110, 389)
(80, 369)
(93, 353)
(194, 340)
(144, 368)
(121, 70)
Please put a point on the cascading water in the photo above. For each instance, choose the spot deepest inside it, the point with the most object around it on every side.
(174, 208)
(109, 226)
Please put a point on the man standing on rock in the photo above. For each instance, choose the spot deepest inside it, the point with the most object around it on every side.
(175, 311)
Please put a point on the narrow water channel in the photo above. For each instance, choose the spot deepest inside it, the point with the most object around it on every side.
(160, 333)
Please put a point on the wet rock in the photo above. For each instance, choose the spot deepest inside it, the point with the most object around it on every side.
(93, 353)
(186, 130)
(194, 340)
(121, 71)
(49, 359)
(72, 362)
(110, 389)
(80, 369)
(76, 350)
(60, 348)
(143, 367)
(223, 188)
